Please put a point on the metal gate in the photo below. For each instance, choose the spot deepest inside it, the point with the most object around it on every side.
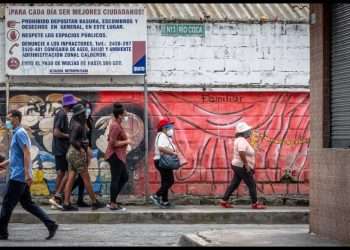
(340, 75)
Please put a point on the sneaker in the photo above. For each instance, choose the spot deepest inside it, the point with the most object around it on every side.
(155, 199)
(121, 209)
(59, 198)
(166, 204)
(97, 205)
(82, 204)
(52, 232)
(4, 237)
(56, 203)
(225, 204)
(69, 208)
(117, 208)
(258, 205)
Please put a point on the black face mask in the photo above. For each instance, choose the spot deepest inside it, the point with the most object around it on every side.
(81, 118)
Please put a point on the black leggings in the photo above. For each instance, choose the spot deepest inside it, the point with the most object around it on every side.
(167, 180)
(79, 183)
(241, 173)
(119, 176)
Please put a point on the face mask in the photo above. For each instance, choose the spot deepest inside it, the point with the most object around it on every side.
(87, 113)
(80, 118)
(9, 124)
(247, 134)
(170, 132)
(125, 118)
(69, 115)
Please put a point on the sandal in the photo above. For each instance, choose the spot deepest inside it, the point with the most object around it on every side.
(258, 206)
(225, 204)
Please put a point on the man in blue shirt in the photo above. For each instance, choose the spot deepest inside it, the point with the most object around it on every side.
(18, 187)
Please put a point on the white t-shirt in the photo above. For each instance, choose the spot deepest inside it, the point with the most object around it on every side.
(241, 144)
(162, 140)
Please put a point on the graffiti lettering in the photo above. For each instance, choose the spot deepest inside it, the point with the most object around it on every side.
(221, 99)
(258, 138)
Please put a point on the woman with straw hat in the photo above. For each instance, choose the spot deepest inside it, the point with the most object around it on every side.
(243, 166)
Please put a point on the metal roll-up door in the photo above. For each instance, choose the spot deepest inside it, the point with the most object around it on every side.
(340, 75)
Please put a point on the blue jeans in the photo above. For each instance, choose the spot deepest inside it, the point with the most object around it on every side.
(19, 192)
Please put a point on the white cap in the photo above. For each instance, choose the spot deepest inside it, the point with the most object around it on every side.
(242, 127)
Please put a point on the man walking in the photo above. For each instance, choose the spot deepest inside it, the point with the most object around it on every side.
(60, 145)
(18, 187)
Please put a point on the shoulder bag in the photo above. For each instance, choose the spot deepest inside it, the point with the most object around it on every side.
(167, 161)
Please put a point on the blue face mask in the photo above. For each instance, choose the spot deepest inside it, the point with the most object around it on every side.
(9, 124)
(170, 126)
(87, 112)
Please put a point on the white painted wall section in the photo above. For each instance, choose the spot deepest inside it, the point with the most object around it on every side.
(241, 53)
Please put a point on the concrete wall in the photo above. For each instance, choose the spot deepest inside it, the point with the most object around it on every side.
(204, 133)
(330, 175)
(241, 60)
(230, 54)
(234, 54)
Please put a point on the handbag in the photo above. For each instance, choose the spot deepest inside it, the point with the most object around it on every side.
(171, 162)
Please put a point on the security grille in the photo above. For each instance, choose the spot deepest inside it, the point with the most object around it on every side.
(340, 75)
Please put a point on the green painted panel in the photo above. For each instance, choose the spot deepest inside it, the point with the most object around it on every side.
(175, 29)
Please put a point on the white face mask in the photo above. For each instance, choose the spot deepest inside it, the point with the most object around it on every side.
(9, 124)
(69, 115)
(170, 132)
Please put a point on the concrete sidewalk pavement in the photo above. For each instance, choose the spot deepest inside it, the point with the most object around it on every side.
(202, 214)
(258, 235)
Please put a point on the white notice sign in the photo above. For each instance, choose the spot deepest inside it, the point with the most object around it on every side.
(106, 39)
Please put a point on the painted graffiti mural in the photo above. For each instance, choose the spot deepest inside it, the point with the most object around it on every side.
(204, 131)
(205, 128)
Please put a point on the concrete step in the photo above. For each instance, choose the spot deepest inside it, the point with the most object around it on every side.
(178, 215)
(258, 235)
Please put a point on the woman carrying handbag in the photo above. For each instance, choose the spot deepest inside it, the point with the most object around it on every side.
(165, 149)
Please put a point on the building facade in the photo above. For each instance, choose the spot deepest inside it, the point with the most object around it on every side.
(250, 63)
(329, 190)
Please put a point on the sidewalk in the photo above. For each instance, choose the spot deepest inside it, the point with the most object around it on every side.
(202, 214)
(258, 235)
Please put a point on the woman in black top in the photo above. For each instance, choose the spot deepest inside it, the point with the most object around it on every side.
(77, 158)
(89, 127)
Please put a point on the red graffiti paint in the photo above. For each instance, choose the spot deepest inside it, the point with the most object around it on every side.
(204, 132)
